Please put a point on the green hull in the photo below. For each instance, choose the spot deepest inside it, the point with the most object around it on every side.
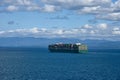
(83, 51)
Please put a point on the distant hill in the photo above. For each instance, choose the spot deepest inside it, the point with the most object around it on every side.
(44, 42)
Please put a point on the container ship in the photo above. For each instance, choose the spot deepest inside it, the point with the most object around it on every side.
(70, 48)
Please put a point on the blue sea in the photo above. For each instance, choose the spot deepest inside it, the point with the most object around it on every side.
(40, 64)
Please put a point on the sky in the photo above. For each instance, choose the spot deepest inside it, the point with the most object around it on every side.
(83, 19)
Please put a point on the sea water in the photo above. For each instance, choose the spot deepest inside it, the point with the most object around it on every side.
(40, 64)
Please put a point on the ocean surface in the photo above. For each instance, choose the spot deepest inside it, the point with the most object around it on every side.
(40, 64)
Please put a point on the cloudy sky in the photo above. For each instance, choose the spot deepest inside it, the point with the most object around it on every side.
(83, 19)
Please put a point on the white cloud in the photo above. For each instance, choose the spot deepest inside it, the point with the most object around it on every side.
(116, 5)
(19, 5)
(91, 10)
(24, 2)
(116, 28)
(4, 2)
(102, 26)
(92, 32)
(34, 30)
(12, 8)
(76, 3)
(83, 30)
(59, 31)
(99, 31)
(103, 9)
(33, 8)
(87, 6)
(116, 32)
(2, 32)
(111, 12)
(110, 16)
(43, 29)
(87, 26)
(49, 8)
(82, 6)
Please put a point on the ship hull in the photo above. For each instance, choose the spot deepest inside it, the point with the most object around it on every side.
(67, 51)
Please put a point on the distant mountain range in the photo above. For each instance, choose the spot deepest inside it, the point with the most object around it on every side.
(44, 42)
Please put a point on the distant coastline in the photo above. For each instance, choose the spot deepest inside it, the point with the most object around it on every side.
(44, 42)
